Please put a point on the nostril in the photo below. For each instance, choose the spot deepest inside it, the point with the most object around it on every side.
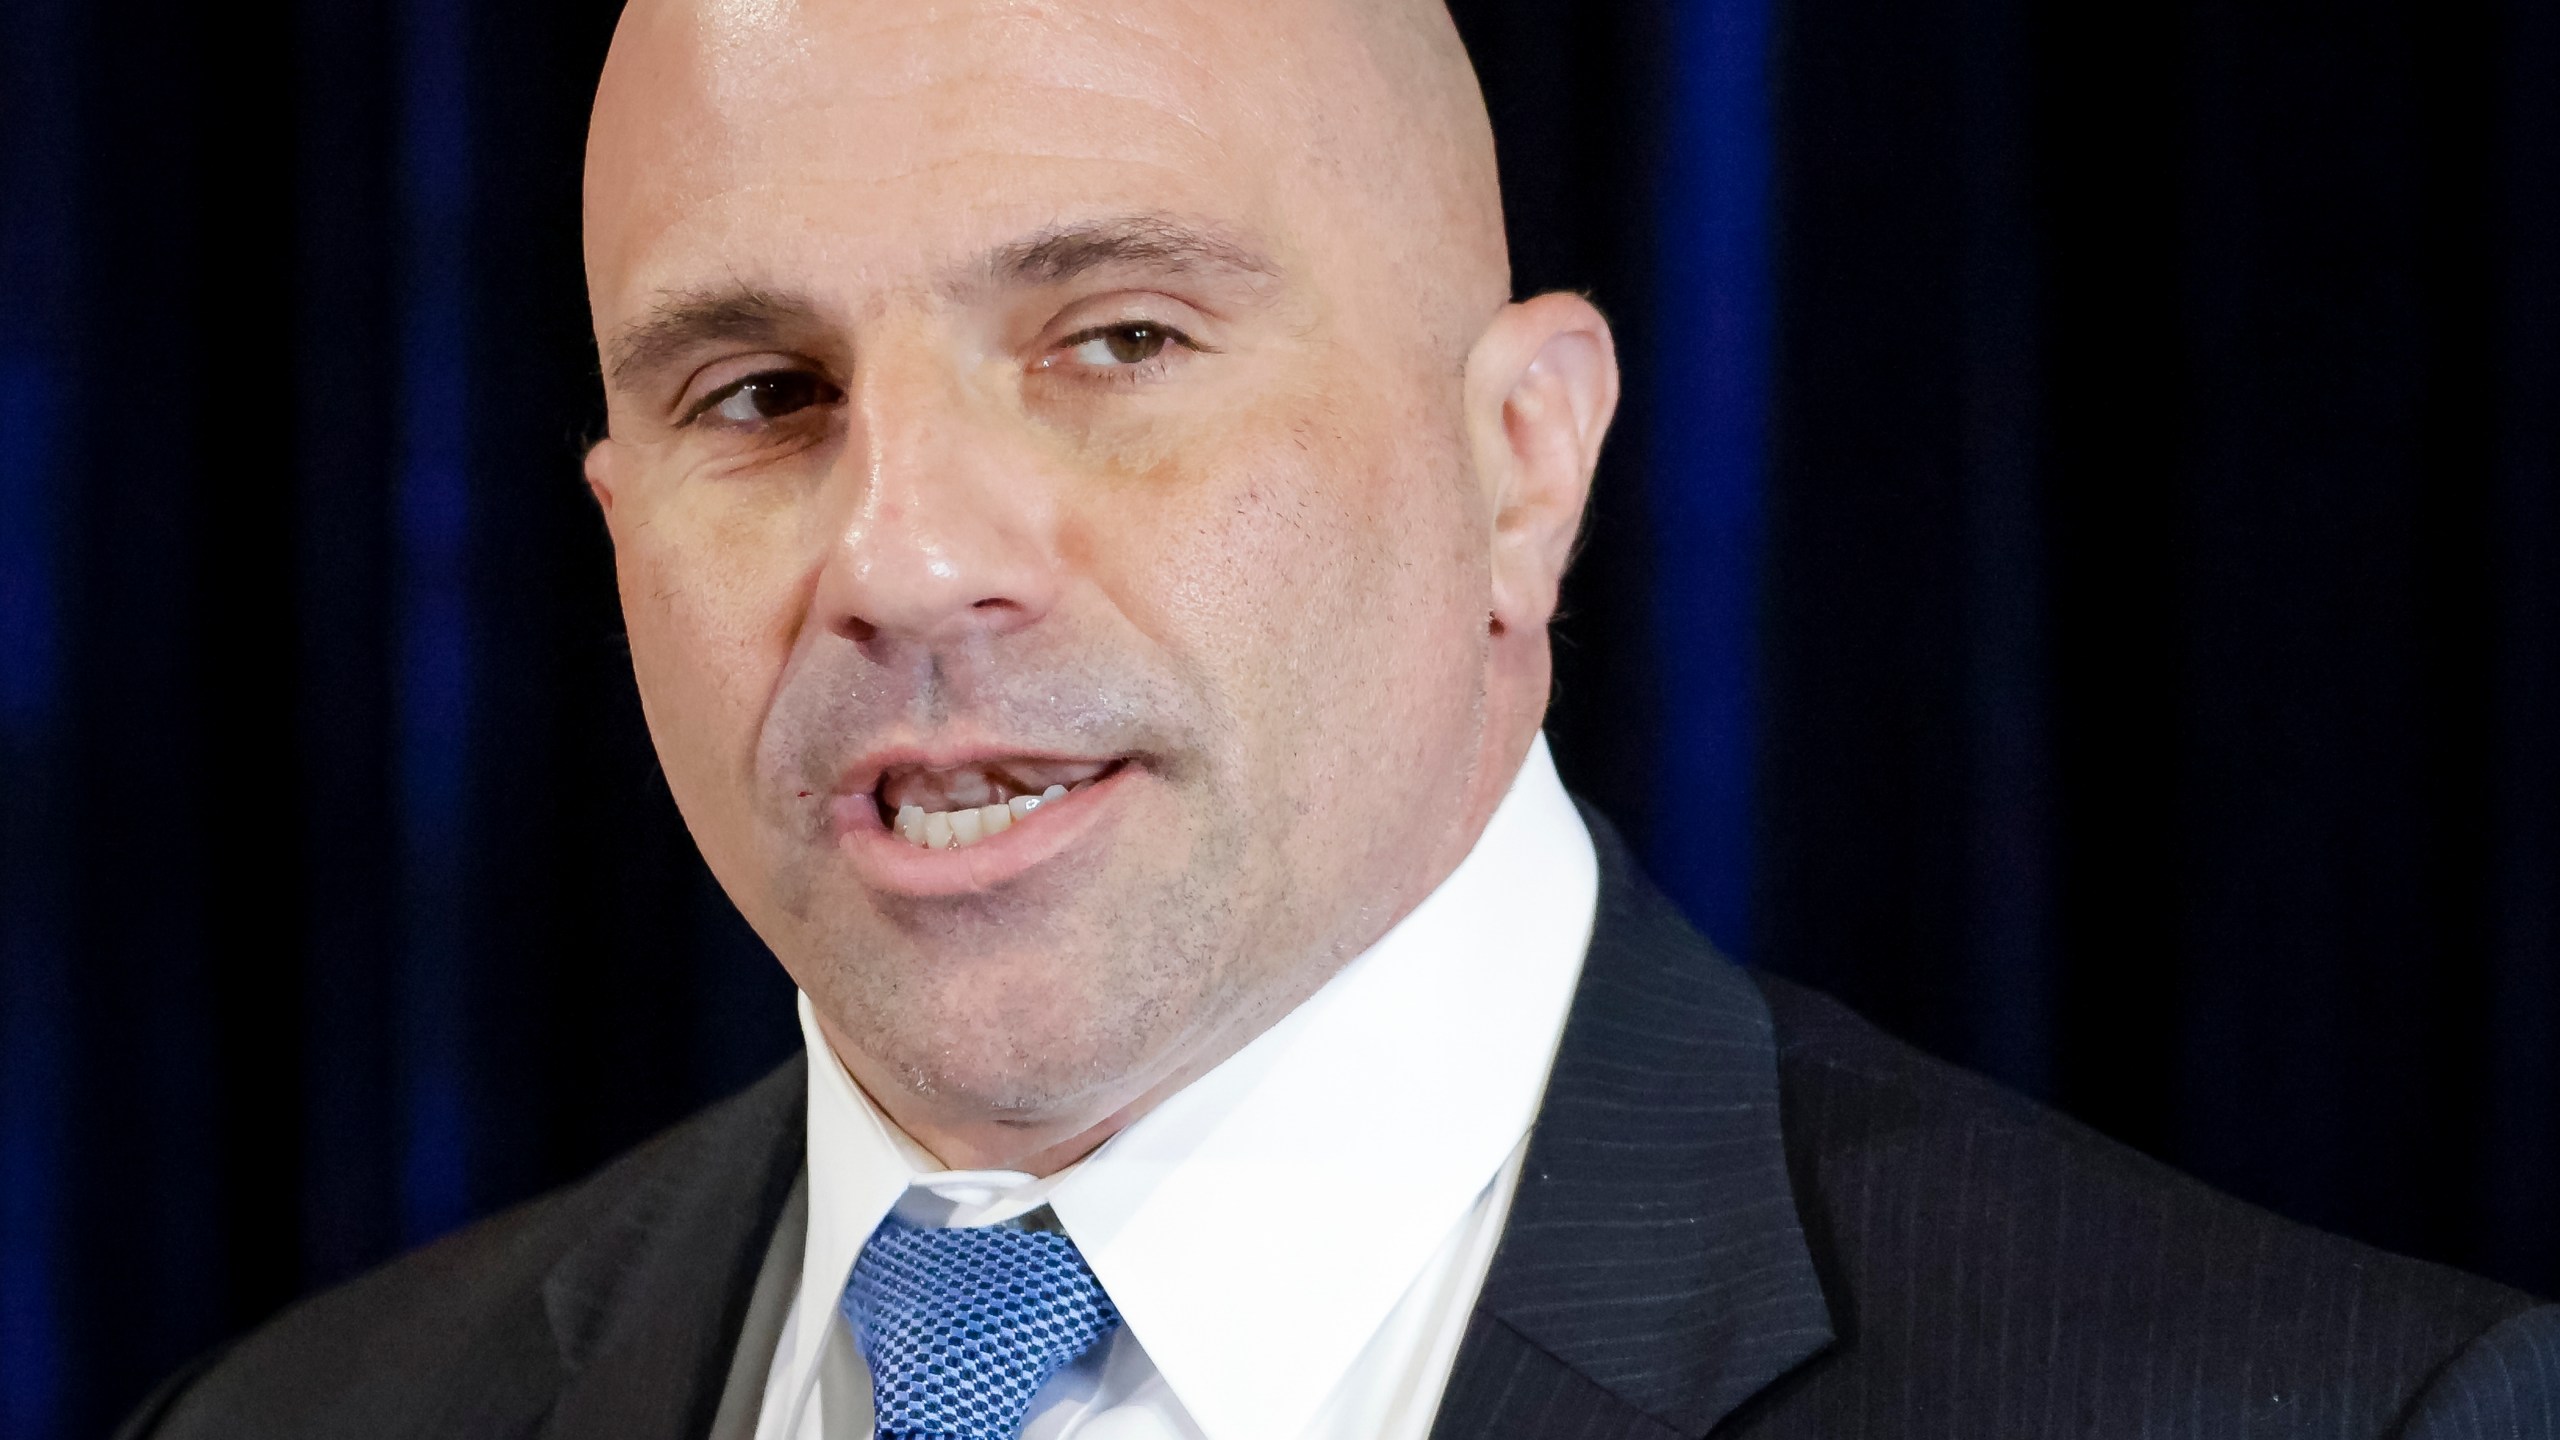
(856, 629)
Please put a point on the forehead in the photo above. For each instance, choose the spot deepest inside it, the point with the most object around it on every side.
(883, 141)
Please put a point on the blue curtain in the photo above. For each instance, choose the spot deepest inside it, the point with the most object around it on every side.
(35, 1108)
(1707, 447)
(2078, 576)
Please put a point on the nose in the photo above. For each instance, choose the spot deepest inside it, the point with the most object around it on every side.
(946, 535)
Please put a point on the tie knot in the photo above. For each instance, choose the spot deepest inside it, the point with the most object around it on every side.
(961, 1327)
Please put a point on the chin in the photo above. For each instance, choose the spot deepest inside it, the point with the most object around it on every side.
(1023, 1031)
(1068, 1073)
(1044, 1000)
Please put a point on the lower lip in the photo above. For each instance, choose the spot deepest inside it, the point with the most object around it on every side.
(889, 861)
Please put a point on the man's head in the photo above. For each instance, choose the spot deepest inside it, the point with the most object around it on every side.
(1015, 393)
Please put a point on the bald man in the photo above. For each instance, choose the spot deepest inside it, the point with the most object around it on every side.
(1087, 510)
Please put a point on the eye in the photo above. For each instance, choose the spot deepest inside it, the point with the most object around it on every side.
(767, 397)
(1108, 347)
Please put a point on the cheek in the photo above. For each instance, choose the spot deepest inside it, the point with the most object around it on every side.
(711, 605)
(1317, 565)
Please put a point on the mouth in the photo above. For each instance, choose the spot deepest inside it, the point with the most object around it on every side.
(945, 826)
(956, 807)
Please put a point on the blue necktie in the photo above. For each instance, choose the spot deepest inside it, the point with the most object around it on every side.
(961, 1327)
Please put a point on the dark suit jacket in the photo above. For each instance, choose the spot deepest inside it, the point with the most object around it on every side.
(1744, 1211)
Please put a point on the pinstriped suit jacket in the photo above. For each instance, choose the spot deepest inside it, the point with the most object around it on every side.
(1744, 1213)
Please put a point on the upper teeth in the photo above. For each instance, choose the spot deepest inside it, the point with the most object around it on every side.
(952, 829)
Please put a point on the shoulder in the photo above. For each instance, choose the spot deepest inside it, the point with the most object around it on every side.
(1978, 1248)
(464, 1335)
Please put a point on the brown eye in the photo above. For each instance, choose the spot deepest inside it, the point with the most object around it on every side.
(1120, 345)
(761, 399)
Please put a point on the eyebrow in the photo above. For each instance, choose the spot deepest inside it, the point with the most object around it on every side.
(1148, 241)
(685, 319)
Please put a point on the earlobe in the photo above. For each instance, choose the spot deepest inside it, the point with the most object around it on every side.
(1542, 386)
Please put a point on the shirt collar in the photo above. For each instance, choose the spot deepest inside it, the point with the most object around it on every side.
(1315, 1171)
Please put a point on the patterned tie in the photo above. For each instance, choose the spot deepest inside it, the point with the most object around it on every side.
(962, 1327)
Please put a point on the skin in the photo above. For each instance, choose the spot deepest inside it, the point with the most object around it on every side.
(1283, 544)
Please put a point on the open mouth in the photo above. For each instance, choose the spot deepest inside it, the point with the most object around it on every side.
(956, 808)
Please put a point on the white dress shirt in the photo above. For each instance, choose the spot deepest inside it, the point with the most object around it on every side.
(1295, 1239)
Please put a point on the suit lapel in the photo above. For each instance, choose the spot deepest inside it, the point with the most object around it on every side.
(646, 1311)
(1652, 1274)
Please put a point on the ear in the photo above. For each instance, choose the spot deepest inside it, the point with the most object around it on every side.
(1541, 386)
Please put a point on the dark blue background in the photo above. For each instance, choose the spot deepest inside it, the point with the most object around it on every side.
(2078, 576)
